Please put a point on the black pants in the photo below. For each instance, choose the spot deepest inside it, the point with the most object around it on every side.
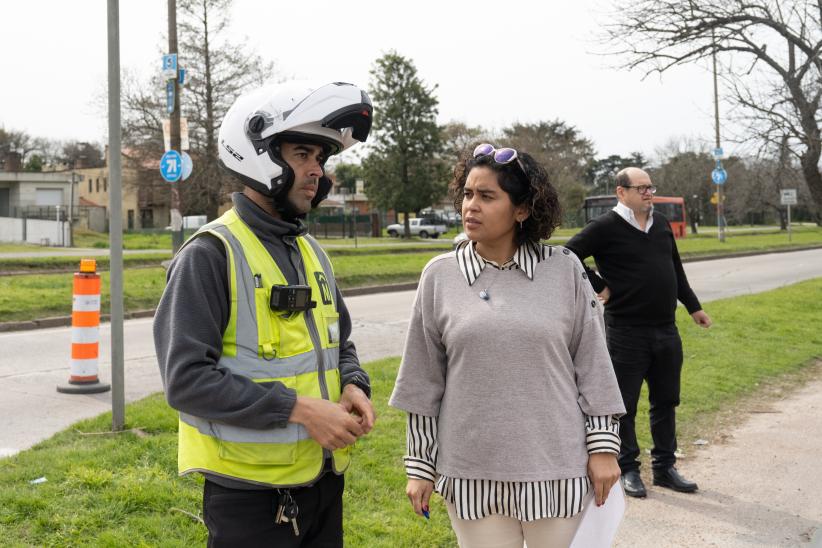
(653, 354)
(237, 517)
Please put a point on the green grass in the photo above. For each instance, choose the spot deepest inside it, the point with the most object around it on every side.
(117, 490)
(754, 338)
(30, 296)
(709, 244)
(22, 248)
(45, 264)
(162, 240)
(39, 295)
(131, 240)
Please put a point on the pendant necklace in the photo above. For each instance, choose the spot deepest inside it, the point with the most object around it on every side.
(483, 294)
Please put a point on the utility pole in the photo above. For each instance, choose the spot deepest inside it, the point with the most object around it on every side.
(176, 217)
(719, 198)
(118, 405)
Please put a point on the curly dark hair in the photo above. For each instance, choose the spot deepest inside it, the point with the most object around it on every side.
(525, 182)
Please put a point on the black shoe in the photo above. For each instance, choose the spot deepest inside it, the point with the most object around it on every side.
(669, 477)
(632, 484)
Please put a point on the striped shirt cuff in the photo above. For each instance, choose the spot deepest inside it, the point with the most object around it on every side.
(419, 469)
(602, 434)
(421, 444)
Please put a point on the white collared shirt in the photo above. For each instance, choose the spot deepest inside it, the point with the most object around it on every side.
(628, 214)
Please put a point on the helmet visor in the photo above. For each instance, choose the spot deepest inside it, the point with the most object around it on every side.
(357, 117)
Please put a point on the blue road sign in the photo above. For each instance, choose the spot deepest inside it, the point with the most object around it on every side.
(170, 96)
(170, 61)
(171, 166)
(718, 153)
(719, 176)
(170, 66)
(182, 77)
(188, 165)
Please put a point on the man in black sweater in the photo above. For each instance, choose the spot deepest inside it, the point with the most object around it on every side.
(640, 280)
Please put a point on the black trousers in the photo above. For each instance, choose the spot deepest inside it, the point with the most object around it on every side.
(238, 517)
(652, 354)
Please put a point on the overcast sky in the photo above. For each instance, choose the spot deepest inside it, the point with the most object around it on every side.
(495, 63)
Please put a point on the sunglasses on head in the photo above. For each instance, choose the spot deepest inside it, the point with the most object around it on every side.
(501, 156)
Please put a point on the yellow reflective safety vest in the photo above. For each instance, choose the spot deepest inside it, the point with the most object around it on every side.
(300, 350)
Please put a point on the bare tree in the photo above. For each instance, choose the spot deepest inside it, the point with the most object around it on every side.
(684, 170)
(458, 138)
(602, 172)
(15, 141)
(567, 155)
(765, 178)
(773, 70)
(217, 72)
(220, 71)
(73, 153)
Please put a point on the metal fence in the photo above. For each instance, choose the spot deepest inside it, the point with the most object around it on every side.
(344, 226)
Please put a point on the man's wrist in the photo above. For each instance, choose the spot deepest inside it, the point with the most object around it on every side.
(365, 387)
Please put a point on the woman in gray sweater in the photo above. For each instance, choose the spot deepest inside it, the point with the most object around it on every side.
(512, 402)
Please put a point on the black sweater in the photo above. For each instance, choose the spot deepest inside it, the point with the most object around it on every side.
(643, 271)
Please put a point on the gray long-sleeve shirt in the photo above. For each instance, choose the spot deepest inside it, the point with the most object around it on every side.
(509, 376)
(193, 314)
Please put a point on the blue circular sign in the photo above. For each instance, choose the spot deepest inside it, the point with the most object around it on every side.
(719, 176)
(171, 166)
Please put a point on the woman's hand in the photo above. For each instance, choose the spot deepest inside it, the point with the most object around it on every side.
(419, 492)
(603, 472)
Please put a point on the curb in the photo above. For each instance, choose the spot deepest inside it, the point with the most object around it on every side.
(695, 258)
(61, 321)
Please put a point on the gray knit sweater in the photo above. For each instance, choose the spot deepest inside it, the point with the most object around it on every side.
(509, 378)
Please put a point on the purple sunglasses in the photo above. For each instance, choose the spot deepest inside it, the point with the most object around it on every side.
(501, 155)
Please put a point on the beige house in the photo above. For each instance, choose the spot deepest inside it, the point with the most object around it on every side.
(145, 195)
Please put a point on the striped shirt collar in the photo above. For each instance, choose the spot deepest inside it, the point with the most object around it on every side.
(472, 264)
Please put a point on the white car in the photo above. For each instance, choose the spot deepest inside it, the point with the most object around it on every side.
(418, 227)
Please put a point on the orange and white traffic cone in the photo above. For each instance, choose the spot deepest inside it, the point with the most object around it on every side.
(85, 332)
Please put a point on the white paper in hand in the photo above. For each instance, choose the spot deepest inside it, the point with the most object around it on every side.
(598, 525)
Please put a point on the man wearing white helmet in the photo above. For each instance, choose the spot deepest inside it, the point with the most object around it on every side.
(252, 332)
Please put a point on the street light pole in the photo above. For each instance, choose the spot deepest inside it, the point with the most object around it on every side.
(118, 405)
(719, 198)
(174, 131)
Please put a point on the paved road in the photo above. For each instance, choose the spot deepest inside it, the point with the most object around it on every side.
(34, 362)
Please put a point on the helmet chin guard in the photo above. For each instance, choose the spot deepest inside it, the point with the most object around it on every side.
(335, 116)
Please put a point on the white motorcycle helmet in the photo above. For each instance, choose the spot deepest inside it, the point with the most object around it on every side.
(336, 116)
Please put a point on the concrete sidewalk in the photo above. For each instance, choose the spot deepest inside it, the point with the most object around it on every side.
(759, 484)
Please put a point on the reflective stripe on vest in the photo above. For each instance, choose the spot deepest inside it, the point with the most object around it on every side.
(299, 350)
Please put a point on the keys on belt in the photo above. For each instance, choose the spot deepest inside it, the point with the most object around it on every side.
(287, 511)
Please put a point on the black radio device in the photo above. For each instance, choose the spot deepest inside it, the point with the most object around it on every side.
(291, 298)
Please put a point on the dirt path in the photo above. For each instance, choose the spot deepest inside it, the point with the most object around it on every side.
(761, 485)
